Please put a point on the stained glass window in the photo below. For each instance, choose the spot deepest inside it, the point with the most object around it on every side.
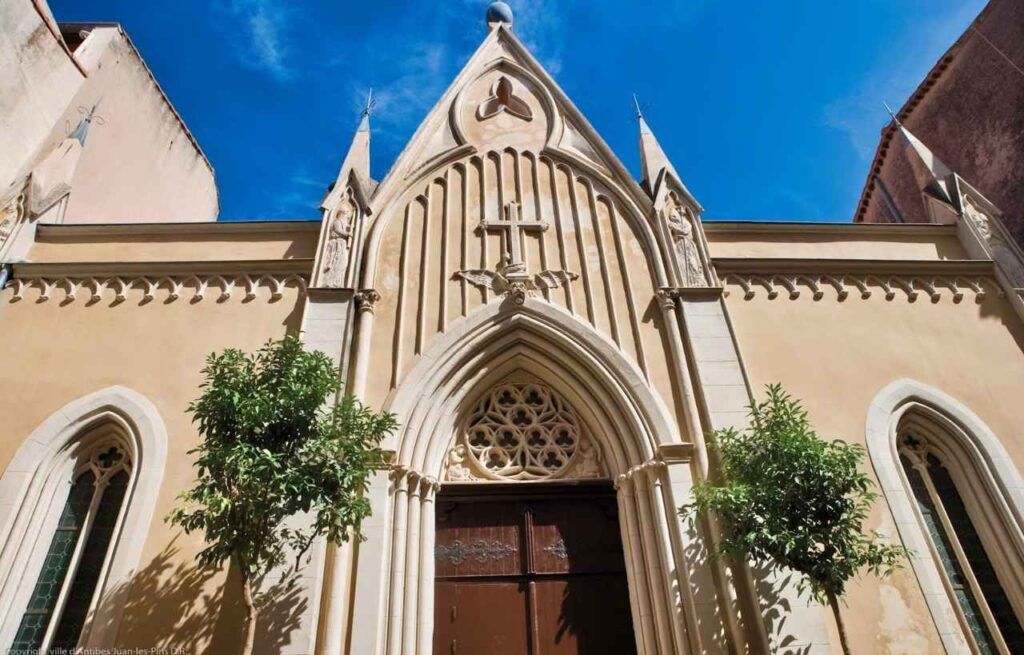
(92, 507)
(960, 552)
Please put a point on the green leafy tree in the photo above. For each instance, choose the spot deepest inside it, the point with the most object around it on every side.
(786, 497)
(272, 449)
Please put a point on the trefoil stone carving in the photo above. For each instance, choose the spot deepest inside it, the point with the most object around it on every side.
(504, 99)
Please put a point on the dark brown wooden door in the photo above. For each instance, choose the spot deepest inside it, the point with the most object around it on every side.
(535, 571)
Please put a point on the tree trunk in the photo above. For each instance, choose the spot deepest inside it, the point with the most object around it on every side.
(834, 604)
(250, 606)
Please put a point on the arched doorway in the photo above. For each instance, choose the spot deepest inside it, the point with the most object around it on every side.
(530, 568)
(394, 592)
(528, 551)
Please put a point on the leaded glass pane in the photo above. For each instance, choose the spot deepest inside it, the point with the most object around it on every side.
(948, 559)
(55, 567)
(83, 586)
(977, 558)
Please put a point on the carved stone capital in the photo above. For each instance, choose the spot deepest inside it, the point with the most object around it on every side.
(666, 297)
(366, 299)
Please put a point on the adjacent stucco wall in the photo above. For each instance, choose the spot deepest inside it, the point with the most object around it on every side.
(37, 80)
(836, 356)
(970, 116)
(140, 163)
(55, 352)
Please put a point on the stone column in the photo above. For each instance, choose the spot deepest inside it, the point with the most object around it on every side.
(722, 385)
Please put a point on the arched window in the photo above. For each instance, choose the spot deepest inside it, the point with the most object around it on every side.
(956, 499)
(76, 503)
(66, 585)
(963, 533)
(88, 502)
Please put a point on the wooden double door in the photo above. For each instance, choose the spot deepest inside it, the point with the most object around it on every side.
(537, 572)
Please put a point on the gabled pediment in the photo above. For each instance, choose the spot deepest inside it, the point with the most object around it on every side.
(504, 99)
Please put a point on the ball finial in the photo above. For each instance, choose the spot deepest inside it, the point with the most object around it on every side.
(499, 12)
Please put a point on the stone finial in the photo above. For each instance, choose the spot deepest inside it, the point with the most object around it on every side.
(499, 13)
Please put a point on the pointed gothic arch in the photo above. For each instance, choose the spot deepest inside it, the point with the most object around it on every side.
(628, 421)
(981, 479)
(31, 502)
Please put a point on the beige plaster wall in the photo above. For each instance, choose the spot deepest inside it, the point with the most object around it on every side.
(161, 242)
(54, 353)
(836, 356)
(141, 164)
(37, 80)
(841, 241)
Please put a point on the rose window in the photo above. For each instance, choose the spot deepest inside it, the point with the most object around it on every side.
(522, 431)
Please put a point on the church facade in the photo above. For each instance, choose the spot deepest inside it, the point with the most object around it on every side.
(559, 342)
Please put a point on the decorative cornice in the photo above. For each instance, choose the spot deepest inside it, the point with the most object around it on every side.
(175, 286)
(864, 283)
(72, 232)
(852, 230)
(29, 270)
(904, 267)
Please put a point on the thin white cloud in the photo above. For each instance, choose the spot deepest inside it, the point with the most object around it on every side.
(263, 44)
(901, 68)
(408, 78)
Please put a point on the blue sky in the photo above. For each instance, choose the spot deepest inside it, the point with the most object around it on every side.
(769, 110)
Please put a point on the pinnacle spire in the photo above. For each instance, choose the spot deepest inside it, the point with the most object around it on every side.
(931, 173)
(357, 159)
(653, 159)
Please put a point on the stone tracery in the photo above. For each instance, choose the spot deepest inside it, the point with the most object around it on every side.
(521, 431)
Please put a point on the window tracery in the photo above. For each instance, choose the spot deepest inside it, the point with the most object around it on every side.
(958, 542)
(522, 431)
(76, 554)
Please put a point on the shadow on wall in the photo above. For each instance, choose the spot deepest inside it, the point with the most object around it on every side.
(777, 605)
(771, 584)
(177, 605)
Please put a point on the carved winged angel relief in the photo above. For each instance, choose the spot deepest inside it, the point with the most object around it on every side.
(516, 285)
(512, 279)
(503, 99)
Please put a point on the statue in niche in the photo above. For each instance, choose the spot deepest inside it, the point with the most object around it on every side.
(588, 462)
(336, 252)
(981, 221)
(681, 228)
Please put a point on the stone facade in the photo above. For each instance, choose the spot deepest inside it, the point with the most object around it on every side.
(533, 315)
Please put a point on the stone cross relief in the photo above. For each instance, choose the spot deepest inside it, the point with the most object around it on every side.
(690, 263)
(511, 278)
(339, 240)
